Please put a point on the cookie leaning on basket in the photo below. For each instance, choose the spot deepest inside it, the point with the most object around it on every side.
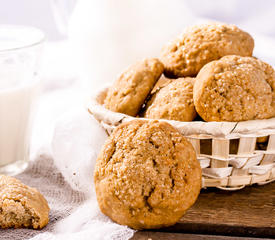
(146, 175)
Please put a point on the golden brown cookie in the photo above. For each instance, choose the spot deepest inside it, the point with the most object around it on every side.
(146, 175)
(130, 90)
(173, 102)
(21, 206)
(201, 44)
(235, 88)
(162, 82)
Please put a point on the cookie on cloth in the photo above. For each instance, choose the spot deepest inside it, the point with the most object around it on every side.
(235, 88)
(146, 175)
(130, 90)
(21, 206)
(201, 44)
(173, 102)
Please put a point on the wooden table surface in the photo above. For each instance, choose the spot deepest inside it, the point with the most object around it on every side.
(217, 214)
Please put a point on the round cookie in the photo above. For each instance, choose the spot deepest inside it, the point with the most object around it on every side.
(235, 88)
(21, 206)
(130, 90)
(201, 44)
(146, 175)
(173, 102)
(162, 82)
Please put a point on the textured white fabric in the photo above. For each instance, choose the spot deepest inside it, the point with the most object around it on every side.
(73, 214)
(76, 142)
(43, 175)
(77, 139)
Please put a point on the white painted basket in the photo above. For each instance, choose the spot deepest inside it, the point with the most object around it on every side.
(228, 151)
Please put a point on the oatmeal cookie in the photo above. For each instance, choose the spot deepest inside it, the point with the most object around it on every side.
(173, 102)
(130, 90)
(161, 83)
(146, 175)
(201, 44)
(21, 206)
(235, 88)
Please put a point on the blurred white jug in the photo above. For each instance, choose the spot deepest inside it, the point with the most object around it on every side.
(109, 35)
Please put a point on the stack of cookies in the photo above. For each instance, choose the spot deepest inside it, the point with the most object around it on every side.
(207, 73)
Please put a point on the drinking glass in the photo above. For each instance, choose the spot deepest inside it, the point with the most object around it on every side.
(20, 53)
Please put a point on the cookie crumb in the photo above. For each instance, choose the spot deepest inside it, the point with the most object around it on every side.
(21, 206)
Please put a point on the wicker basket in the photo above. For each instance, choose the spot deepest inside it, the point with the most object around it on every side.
(228, 151)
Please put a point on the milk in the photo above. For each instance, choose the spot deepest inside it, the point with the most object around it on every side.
(18, 92)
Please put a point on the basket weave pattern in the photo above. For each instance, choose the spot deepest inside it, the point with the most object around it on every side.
(227, 151)
(234, 171)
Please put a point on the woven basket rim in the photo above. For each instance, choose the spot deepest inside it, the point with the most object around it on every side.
(219, 170)
(228, 130)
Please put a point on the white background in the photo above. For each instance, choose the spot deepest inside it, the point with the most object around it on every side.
(255, 15)
(37, 13)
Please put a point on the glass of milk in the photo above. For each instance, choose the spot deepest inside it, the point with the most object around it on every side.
(20, 50)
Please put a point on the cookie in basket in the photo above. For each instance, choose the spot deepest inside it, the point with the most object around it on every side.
(146, 175)
(235, 88)
(162, 82)
(21, 206)
(130, 90)
(201, 44)
(173, 101)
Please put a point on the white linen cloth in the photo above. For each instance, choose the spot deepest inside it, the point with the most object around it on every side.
(73, 138)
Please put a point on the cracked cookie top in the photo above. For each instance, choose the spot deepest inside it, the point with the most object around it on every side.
(21, 206)
(235, 88)
(130, 90)
(201, 44)
(146, 175)
(173, 101)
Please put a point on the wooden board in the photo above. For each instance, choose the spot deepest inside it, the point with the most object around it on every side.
(184, 236)
(249, 212)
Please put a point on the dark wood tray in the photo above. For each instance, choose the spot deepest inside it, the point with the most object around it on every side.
(249, 212)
